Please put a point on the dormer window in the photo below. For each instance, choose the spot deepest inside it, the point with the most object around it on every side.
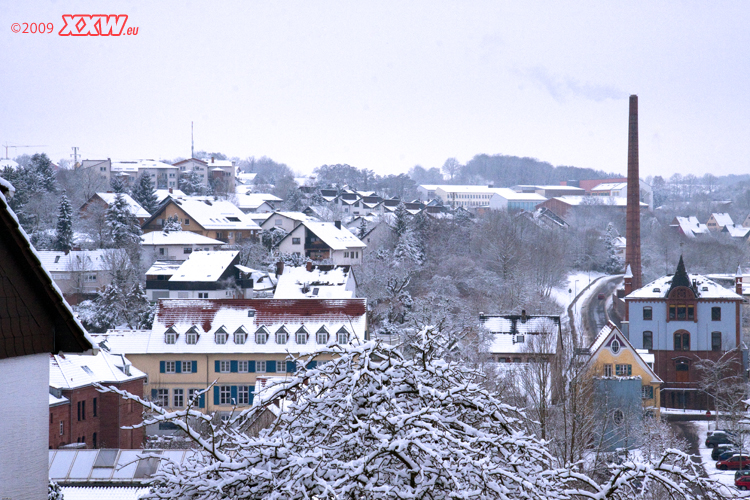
(191, 338)
(170, 336)
(261, 335)
(220, 336)
(301, 336)
(342, 336)
(240, 336)
(321, 337)
(282, 336)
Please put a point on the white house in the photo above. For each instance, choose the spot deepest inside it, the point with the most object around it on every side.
(177, 245)
(285, 220)
(316, 282)
(256, 202)
(324, 241)
(78, 271)
(36, 321)
(507, 199)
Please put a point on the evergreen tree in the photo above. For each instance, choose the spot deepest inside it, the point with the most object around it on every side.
(172, 224)
(614, 263)
(192, 184)
(362, 231)
(41, 166)
(122, 227)
(117, 184)
(408, 249)
(145, 194)
(64, 233)
(400, 224)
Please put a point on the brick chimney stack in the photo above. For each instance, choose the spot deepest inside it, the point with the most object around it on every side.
(738, 281)
(633, 224)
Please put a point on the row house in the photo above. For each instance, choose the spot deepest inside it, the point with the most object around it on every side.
(36, 322)
(163, 175)
(240, 344)
(682, 319)
(82, 417)
(217, 219)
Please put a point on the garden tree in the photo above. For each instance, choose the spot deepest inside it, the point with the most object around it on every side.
(372, 422)
(283, 185)
(614, 263)
(171, 224)
(271, 237)
(408, 248)
(34, 202)
(64, 233)
(451, 168)
(420, 175)
(144, 193)
(41, 166)
(400, 219)
(293, 199)
(723, 383)
(81, 184)
(123, 229)
(192, 184)
(117, 184)
(362, 229)
(94, 223)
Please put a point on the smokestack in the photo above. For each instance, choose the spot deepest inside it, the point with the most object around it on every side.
(633, 225)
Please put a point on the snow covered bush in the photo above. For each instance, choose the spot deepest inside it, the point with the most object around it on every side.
(370, 423)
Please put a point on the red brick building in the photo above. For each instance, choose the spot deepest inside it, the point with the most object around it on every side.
(82, 416)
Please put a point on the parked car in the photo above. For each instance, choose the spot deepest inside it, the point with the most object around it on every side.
(600, 296)
(741, 473)
(726, 454)
(742, 482)
(719, 437)
(734, 462)
(719, 449)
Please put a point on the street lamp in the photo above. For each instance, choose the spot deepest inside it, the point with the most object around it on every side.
(576, 298)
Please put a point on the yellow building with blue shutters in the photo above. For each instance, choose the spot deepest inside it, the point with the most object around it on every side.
(238, 345)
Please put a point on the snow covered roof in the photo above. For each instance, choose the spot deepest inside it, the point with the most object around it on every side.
(161, 194)
(321, 282)
(736, 231)
(178, 238)
(5, 162)
(75, 260)
(335, 238)
(595, 200)
(298, 216)
(208, 316)
(449, 188)
(135, 165)
(135, 208)
(723, 219)
(205, 266)
(246, 177)
(609, 186)
(254, 200)
(164, 267)
(71, 371)
(511, 195)
(55, 401)
(705, 289)
(690, 226)
(216, 214)
(610, 332)
(108, 466)
(513, 333)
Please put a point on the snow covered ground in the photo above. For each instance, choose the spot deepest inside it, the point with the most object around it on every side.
(576, 284)
(724, 476)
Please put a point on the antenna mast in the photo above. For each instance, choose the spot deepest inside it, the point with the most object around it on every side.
(192, 143)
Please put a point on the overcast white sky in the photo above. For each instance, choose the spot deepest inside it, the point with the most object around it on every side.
(386, 85)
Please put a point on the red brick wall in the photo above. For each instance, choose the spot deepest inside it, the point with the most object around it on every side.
(60, 413)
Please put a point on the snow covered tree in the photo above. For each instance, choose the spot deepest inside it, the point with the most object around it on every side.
(144, 193)
(41, 166)
(614, 262)
(192, 184)
(401, 219)
(271, 237)
(362, 230)
(117, 184)
(54, 492)
(172, 224)
(408, 248)
(64, 233)
(122, 227)
(369, 422)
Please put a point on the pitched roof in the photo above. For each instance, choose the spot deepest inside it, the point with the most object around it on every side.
(723, 219)
(604, 339)
(321, 282)
(210, 214)
(135, 208)
(690, 226)
(23, 278)
(75, 260)
(704, 289)
(178, 238)
(71, 371)
(510, 332)
(335, 238)
(205, 266)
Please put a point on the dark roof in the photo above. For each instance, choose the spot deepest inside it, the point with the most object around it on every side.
(34, 317)
(680, 277)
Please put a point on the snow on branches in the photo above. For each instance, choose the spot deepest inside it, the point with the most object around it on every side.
(369, 422)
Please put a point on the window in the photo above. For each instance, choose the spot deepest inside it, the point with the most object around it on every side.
(682, 341)
(191, 338)
(178, 396)
(102, 169)
(623, 370)
(94, 440)
(260, 366)
(170, 337)
(716, 341)
(224, 366)
(242, 366)
(346, 255)
(225, 395)
(202, 295)
(321, 337)
(690, 313)
(342, 336)
(219, 235)
(681, 313)
(187, 250)
(281, 336)
(615, 346)
(187, 366)
(162, 397)
(648, 340)
(301, 335)
(519, 339)
(607, 370)
(187, 221)
(62, 427)
(683, 371)
(618, 417)
(240, 337)
(716, 314)
(296, 241)
(91, 277)
(243, 395)
(261, 335)
(192, 393)
(94, 408)
(647, 313)
(647, 392)
(170, 367)
(161, 251)
(221, 336)
(672, 312)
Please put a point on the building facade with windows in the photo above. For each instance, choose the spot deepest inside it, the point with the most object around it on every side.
(682, 319)
(324, 241)
(240, 344)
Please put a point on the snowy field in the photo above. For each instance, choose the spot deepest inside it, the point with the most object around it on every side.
(724, 476)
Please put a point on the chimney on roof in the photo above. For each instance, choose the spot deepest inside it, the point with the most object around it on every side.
(338, 224)
(633, 223)
(523, 315)
(280, 268)
(309, 266)
(170, 190)
(212, 159)
(738, 281)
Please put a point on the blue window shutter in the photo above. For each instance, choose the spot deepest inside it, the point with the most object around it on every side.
(216, 395)
(233, 366)
(291, 367)
(233, 390)
(217, 366)
(162, 366)
(195, 367)
(271, 366)
(153, 391)
(312, 364)
(251, 390)
(178, 366)
(202, 401)
(251, 366)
